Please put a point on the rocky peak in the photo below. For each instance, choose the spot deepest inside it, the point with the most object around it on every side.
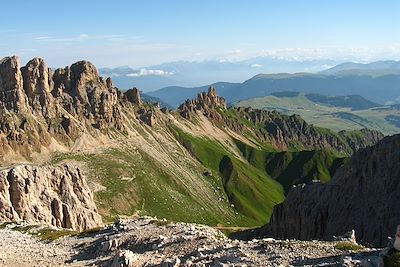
(109, 83)
(205, 101)
(133, 96)
(38, 84)
(75, 80)
(83, 92)
(12, 96)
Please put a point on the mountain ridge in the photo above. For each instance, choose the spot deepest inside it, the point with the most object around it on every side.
(147, 160)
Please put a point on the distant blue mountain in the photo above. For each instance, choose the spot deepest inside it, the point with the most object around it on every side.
(198, 73)
(376, 68)
(383, 89)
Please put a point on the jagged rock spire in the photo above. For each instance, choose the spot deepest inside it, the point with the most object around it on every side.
(78, 90)
(12, 96)
(204, 101)
(133, 96)
(38, 84)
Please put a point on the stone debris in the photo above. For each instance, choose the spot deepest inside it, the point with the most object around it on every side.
(149, 242)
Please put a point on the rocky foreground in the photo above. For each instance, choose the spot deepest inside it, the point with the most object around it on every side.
(150, 242)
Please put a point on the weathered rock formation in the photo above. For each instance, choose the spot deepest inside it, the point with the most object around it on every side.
(38, 85)
(85, 94)
(133, 96)
(37, 106)
(147, 116)
(12, 96)
(57, 196)
(363, 195)
(205, 102)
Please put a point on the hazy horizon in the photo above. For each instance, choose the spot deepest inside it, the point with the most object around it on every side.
(140, 34)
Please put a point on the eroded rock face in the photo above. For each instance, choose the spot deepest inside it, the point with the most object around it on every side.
(57, 196)
(363, 195)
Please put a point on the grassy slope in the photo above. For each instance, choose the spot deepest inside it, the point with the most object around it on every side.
(135, 183)
(293, 167)
(250, 189)
(326, 116)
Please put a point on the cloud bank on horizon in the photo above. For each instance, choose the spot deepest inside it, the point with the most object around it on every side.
(145, 33)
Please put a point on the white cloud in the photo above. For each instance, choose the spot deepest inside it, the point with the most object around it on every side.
(86, 37)
(255, 65)
(42, 37)
(83, 36)
(146, 72)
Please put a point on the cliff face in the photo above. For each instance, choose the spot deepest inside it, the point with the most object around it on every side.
(57, 196)
(362, 195)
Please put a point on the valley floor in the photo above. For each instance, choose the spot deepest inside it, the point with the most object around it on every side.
(150, 242)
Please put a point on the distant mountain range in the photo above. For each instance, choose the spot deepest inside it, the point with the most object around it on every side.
(197, 73)
(374, 68)
(378, 82)
(382, 89)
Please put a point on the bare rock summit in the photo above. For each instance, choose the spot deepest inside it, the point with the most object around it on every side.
(205, 102)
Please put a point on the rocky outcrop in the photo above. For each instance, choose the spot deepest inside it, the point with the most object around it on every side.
(363, 195)
(77, 90)
(12, 96)
(133, 96)
(205, 102)
(282, 131)
(288, 132)
(57, 196)
(38, 84)
(147, 116)
(36, 105)
(84, 93)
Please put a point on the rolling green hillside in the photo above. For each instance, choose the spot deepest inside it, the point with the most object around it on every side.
(320, 111)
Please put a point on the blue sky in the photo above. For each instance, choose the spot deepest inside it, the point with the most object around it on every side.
(141, 33)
